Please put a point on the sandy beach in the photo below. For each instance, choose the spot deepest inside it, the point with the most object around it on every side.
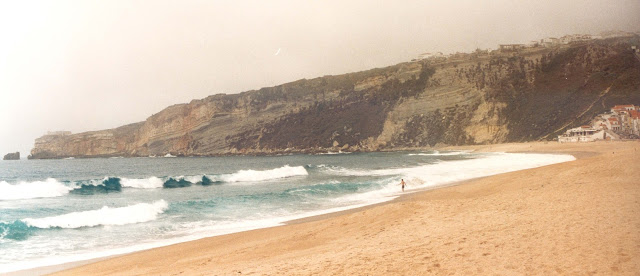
(575, 218)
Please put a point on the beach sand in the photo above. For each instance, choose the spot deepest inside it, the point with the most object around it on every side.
(580, 217)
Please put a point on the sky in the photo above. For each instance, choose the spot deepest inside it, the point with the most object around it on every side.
(90, 65)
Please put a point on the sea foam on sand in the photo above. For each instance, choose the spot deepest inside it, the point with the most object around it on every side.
(444, 173)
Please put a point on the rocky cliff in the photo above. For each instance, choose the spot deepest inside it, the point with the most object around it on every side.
(464, 99)
(12, 156)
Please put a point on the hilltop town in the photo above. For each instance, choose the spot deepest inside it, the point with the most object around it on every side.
(531, 46)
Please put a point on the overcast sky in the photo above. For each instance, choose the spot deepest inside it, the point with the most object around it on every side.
(89, 65)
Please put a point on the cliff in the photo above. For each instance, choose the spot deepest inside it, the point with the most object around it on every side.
(474, 98)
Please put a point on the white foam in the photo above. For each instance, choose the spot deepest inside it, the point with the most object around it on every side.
(145, 183)
(388, 190)
(35, 189)
(93, 182)
(363, 172)
(452, 171)
(193, 231)
(333, 152)
(254, 176)
(443, 173)
(191, 178)
(417, 177)
(141, 212)
(437, 153)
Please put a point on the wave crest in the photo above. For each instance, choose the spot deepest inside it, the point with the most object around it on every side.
(107, 185)
(36, 189)
(141, 212)
(54, 188)
(145, 183)
(254, 176)
(438, 153)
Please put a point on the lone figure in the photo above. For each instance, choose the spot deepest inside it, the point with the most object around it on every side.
(402, 183)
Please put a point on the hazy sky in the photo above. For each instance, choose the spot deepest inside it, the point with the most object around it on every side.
(89, 65)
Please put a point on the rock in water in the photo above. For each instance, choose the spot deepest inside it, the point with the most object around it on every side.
(12, 156)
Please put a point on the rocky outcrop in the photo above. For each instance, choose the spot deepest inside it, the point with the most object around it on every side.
(466, 99)
(12, 156)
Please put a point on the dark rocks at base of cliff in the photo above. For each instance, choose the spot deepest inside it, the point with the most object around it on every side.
(12, 156)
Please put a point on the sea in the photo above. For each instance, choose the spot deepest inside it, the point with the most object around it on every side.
(61, 211)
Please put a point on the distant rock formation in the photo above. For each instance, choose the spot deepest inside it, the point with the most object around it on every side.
(12, 156)
(494, 97)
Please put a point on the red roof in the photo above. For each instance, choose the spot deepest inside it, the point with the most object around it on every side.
(623, 107)
(634, 114)
(613, 119)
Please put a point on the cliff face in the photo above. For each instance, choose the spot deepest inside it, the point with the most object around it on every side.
(467, 99)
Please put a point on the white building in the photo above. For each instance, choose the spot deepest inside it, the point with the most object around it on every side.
(575, 38)
(613, 124)
(635, 122)
(582, 134)
(549, 42)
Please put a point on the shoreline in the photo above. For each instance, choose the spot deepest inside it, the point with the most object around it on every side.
(49, 269)
(325, 218)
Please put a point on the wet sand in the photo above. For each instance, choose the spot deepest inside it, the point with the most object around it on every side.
(580, 217)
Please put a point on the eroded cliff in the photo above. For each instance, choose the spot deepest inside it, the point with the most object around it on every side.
(464, 99)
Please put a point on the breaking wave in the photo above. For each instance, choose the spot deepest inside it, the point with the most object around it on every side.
(145, 183)
(363, 172)
(141, 212)
(438, 153)
(176, 183)
(34, 189)
(54, 188)
(17, 230)
(254, 176)
(107, 185)
(115, 184)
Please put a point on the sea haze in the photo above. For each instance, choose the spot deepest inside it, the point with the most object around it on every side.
(57, 211)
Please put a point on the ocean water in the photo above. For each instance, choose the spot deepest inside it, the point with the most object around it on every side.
(58, 211)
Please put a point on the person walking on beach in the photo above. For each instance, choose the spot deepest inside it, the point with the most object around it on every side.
(402, 184)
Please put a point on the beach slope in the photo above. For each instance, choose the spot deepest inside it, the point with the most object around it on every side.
(579, 217)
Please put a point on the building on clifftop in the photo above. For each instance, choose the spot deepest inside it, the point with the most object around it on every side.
(58, 133)
(511, 47)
